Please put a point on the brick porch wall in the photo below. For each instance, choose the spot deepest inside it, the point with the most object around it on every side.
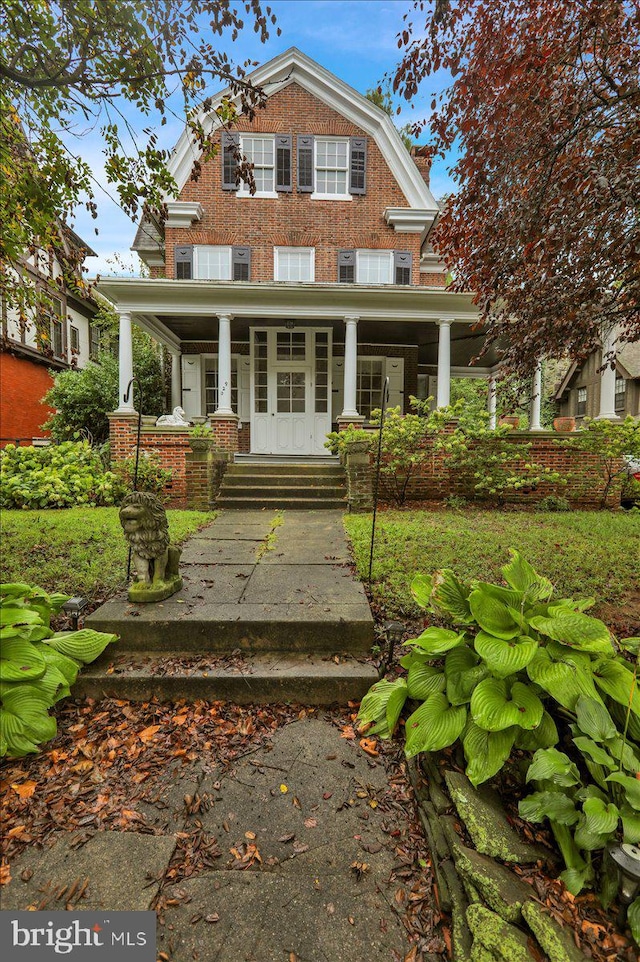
(169, 443)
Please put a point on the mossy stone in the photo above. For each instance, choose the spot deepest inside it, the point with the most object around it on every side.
(484, 817)
(500, 888)
(481, 954)
(503, 940)
(139, 593)
(556, 941)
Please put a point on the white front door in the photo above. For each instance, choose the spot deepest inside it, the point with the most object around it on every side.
(290, 391)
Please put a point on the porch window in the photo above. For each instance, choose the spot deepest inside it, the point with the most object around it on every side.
(322, 373)
(621, 393)
(260, 372)
(294, 263)
(581, 406)
(211, 384)
(291, 345)
(331, 167)
(260, 152)
(369, 385)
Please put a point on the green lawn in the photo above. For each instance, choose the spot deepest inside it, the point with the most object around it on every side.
(586, 553)
(77, 550)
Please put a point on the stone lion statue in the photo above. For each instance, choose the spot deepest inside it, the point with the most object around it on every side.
(177, 419)
(155, 561)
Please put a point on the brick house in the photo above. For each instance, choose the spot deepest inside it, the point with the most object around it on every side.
(580, 393)
(63, 338)
(284, 311)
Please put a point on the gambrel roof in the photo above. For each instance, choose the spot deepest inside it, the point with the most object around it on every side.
(293, 66)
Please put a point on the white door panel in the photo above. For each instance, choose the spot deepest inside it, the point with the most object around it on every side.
(191, 385)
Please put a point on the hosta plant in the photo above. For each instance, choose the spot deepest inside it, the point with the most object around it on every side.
(515, 663)
(37, 665)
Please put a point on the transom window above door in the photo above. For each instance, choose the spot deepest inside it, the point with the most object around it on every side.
(294, 263)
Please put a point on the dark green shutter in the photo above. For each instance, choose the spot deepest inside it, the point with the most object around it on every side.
(358, 165)
(241, 263)
(283, 162)
(305, 164)
(346, 267)
(230, 148)
(402, 261)
(183, 258)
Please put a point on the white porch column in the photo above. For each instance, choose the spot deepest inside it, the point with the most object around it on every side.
(125, 364)
(350, 367)
(536, 399)
(492, 402)
(176, 380)
(607, 410)
(443, 394)
(224, 365)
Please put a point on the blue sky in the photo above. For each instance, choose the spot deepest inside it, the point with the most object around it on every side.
(354, 39)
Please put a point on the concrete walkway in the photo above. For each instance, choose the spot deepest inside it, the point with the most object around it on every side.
(297, 847)
(270, 611)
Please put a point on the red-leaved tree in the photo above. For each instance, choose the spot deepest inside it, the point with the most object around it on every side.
(545, 110)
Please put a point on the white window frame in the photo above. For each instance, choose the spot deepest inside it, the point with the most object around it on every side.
(197, 249)
(243, 189)
(74, 335)
(235, 369)
(296, 250)
(359, 258)
(317, 195)
(374, 403)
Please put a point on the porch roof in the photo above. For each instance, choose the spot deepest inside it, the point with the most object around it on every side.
(181, 311)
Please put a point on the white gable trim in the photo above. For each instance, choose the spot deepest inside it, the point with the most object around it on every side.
(293, 66)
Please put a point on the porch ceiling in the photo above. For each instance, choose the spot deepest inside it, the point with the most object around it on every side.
(178, 311)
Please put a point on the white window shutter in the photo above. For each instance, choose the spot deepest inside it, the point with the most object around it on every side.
(395, 373)
(337, 387)
(192, 385)
(244, 388)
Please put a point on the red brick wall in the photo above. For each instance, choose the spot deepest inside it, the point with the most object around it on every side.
(433, 279)
(433, 480)
(24, 384)
(170, 446)
(294, 219)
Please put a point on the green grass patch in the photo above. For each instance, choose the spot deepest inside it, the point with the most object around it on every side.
(586, 553)
(76, 550)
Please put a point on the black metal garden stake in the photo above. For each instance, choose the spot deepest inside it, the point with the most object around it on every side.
(126, 396)
(384, 400)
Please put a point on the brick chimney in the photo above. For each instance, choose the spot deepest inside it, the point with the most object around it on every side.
(422, 159)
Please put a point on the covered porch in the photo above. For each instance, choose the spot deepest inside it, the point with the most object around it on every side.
(275, 367)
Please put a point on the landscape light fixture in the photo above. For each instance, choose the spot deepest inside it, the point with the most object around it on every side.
(394, 630)
(73, 608)
(626, 858)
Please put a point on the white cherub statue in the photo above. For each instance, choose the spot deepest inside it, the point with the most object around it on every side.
(176, 419)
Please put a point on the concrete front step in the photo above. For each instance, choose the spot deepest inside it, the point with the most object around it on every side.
(258, 491)
(221, 628)
(262, 480)
(256, 679)
(280, 503)
(288, 470)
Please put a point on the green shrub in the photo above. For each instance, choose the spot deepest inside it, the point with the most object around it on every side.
(37, 666)
(607, 442)
(514, 665)
(456, 502)
(337, 440)
(553, 502)
(83, 399)
(152, 476)
(57, 476)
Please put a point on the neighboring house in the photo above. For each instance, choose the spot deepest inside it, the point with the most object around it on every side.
(64, 337)
(286, 310)
(580, 392)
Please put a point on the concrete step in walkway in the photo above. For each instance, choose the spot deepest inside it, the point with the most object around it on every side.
(270, 611)
(301, 810)
(296, 485)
